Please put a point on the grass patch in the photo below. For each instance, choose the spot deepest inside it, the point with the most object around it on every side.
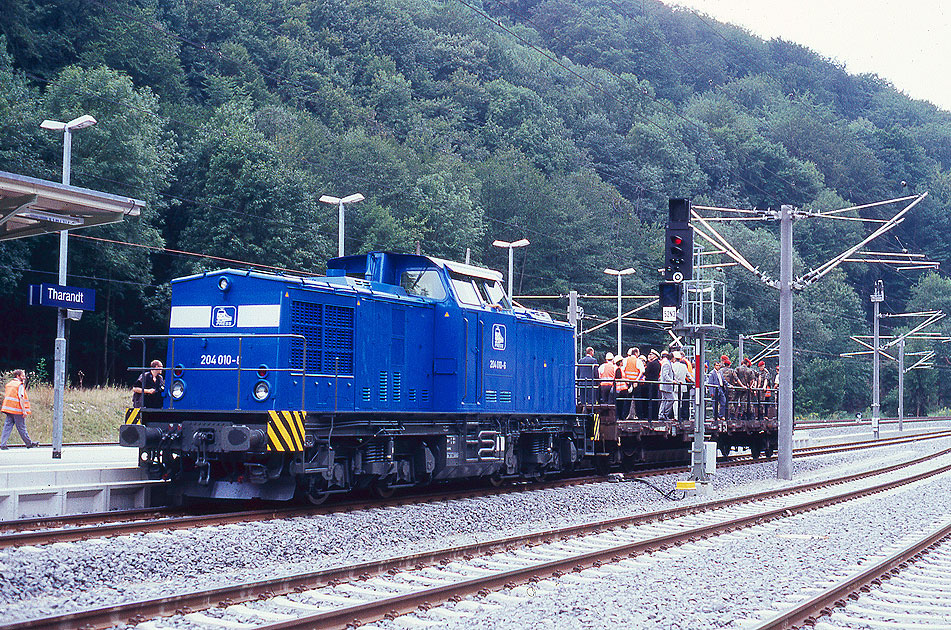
(89, 415)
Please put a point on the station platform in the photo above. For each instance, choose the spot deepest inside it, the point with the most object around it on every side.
(86, 479)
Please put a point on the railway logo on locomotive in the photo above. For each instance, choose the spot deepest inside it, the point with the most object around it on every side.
(498, 336)
(224, 317)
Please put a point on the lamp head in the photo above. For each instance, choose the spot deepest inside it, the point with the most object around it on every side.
(82, 122)
(53, 125)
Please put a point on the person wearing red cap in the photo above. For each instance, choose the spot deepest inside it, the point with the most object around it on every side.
(745, 377)
(731, 385)
(716, 391)
(763, 392)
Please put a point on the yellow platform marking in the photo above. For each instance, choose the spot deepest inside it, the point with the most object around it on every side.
(686, 485)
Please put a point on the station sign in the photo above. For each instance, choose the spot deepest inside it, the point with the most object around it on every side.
(60, 296)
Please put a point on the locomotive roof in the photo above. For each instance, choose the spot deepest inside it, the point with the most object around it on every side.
(345, 262)
(350, 262)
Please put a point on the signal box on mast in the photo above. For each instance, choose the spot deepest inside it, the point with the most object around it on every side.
(678, 242)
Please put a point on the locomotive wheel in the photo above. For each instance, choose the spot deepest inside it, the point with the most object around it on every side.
(316, 498)
(496, 480)
(382, 490)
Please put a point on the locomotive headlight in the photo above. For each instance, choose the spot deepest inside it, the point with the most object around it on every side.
(261, 390)
(177, 390)
(224, 283)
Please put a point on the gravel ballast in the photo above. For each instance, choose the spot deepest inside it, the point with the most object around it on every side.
(753, 570)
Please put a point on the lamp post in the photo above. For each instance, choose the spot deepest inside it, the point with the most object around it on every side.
(59, 346)
(622, 272)
(354, 198)
(522, 242)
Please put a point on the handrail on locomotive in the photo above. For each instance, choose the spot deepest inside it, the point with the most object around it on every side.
(238, 367)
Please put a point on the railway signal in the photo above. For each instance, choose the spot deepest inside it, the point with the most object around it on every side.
(678, 242)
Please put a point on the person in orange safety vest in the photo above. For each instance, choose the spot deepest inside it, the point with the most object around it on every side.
(634, 372)
(606, 373)
(16, 407)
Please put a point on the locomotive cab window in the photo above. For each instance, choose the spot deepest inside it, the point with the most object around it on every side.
(423, 283)
(466, 291)
(494, 294)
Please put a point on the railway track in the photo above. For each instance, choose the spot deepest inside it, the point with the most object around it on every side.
(369, 591)
(866, 422)
(82, 527)
(906, 587)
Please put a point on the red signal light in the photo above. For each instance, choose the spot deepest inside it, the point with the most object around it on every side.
(676, 240)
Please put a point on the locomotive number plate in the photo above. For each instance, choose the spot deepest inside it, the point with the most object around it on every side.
(218, 359)
(496, 364)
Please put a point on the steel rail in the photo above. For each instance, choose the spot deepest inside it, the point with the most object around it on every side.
(398, 604)
(138, 611)
(15, 533)
(835, 596)
(85, 526)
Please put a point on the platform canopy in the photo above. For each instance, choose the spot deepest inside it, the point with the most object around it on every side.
(30, 206)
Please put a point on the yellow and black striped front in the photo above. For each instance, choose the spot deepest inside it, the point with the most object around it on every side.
(285, 431)
(132, 416)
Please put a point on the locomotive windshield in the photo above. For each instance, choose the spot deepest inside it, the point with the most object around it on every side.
(494, 293)
(479, 291)
(423, 283)
(465, 289)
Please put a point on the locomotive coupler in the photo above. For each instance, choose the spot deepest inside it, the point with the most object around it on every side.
(202, 439)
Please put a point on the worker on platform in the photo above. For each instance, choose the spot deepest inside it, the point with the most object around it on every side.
(622, 389)
(679, 366)
(607, 372)
(16, 407)
(652, 384)
(149, 389)
(667, 387)
(587, 377)
(633, 374)
(717, 391)
(731, 386)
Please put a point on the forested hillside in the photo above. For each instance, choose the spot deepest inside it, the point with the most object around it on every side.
(567, 122)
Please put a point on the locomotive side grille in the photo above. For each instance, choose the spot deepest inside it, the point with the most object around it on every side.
(338, 340)
(505, 397)
(412, 395)
(383, 385)
(491, 396)
(366, 394)
(424, 395)
(305, 320)
(328, 330)
(397, 386)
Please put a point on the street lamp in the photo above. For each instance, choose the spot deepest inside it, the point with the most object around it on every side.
(519, 243)
(59, 346)
(354, 198)
(622, 272)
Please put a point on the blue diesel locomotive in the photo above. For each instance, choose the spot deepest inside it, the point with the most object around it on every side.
(393, 370)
